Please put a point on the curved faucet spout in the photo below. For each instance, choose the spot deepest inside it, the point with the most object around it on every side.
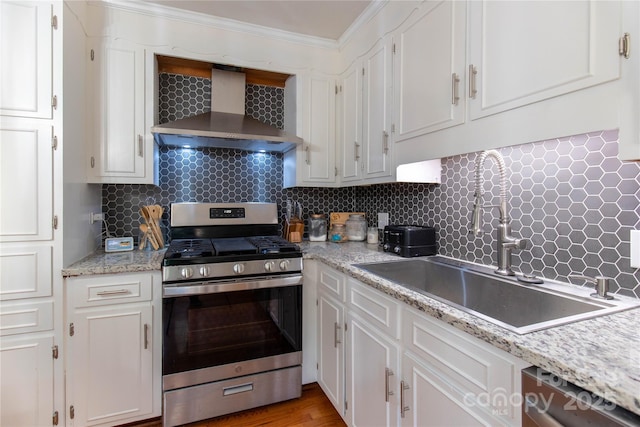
(505, 241)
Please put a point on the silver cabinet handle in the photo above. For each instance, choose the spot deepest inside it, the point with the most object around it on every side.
(539, 416)
(473, 72)
(336, 341)
(356, 151)
(455, 82)
(403, 409)
(140, 146)
(114, 292)
(385, 139)
(387, 373)
(242, 388)
(146, 336)
(306, 155)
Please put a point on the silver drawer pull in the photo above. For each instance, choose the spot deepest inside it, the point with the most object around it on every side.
(336, 340)
(115, 292)
(387, 392)
(228, 391)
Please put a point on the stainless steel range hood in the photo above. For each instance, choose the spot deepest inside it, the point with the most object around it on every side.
(225, 126)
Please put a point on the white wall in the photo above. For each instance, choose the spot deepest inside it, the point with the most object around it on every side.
(80, 199)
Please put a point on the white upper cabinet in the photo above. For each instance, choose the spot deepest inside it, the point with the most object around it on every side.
(528, 51)
(376, 102)
(122, 146)
(429, 70)
(316, 158)
(26, 180)
(350, 130)
(26, 57)
(364, 117)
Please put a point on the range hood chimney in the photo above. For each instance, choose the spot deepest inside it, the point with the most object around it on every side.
(226, 126)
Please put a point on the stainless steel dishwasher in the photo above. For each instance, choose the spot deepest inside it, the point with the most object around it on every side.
(550, 401)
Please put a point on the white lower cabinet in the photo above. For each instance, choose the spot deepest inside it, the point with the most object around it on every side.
(404, 368)
(114, 348)
(331, 349)
(26, 370)
(372, 368)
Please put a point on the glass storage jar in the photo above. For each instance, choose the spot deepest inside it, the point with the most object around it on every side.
(317, 228)
(338, 233)
(356, 227)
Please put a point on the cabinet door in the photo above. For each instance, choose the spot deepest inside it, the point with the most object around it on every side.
(26, 389)
(376, 97)
(351, 125)
(372, 384)
(26, 176)
(429, 60)
(110, 363)
(319, 150)
(429, 401)
(26, 58)
(117, 71)
(331, 350)
(528, 51)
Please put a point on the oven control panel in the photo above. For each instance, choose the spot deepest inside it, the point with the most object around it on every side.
(226, 213)
(230, 269)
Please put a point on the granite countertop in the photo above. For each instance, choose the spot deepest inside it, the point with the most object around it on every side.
(102, 262)
(601, 355)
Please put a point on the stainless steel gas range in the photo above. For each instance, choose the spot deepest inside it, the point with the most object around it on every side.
(232, 311)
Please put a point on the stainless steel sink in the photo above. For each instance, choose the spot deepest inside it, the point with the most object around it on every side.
(504, 301)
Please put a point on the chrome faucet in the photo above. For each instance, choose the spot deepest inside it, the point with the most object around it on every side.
(506, 242)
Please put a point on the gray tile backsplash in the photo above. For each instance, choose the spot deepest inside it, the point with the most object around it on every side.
(570, 197)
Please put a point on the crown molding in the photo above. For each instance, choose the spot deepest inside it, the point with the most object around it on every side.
(156, 10)
(372, 10)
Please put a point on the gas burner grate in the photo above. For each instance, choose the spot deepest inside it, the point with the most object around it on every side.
(189, 248)
(272, 244)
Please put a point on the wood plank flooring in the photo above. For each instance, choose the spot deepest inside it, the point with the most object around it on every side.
(313, 409)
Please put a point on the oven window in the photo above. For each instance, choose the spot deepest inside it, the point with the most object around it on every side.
(216, 329)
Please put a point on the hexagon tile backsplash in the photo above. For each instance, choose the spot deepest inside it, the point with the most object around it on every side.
(570, 197)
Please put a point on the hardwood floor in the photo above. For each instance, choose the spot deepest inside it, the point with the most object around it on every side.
(313, 409)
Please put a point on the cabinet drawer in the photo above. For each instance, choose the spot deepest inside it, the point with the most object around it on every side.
(20, 318)
(332, 282)
(109, 289)
(486, 375)
(374, 307)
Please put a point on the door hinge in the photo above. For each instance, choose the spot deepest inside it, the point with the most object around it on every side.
(393, 128)
(363, 71)
(624, 45)
(72, 412)
(92, 55)
(316, 301)
(336, 89)
(71, 329)
(54, 351)
(55, 418)
(93, 162)
(345, 326)
(55, 222)
(346, 405)
(54, 102)
(54, 142)
(317, 366)
(54, 22)
(336, 172)
(393, 48)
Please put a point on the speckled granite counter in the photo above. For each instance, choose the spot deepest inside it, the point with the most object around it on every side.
(101, 262)
(601, 355)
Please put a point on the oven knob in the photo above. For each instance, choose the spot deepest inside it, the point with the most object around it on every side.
(269, 265)
(386, 247)
(284, 264)
(204, 271)
(238, 268)
(186, 273)
(396, 250)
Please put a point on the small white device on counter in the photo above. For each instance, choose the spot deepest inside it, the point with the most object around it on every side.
(118, 244)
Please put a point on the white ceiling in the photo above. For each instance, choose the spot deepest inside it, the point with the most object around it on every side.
(327, 19)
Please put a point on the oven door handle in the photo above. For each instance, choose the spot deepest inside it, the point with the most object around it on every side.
(200, 288)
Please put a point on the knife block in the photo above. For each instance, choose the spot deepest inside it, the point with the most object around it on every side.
(293, 230)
